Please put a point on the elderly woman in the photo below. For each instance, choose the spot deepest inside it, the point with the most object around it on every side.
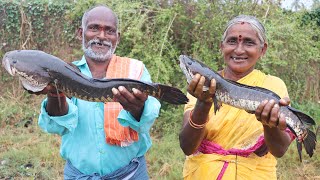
(233, 144)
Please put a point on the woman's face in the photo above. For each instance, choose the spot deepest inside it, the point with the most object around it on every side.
(241, 48)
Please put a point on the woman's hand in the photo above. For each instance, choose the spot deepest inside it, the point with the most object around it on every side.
(190, 137)
(195, 88)
(268, 113)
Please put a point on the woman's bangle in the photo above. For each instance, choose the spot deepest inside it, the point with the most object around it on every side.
(61, 94)
(194, 125)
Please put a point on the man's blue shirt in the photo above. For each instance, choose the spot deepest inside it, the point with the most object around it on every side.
(83, 136)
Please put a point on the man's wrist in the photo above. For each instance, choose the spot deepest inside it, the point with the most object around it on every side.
(53, 94)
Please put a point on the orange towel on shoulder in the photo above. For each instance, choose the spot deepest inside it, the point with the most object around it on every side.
(116, 134)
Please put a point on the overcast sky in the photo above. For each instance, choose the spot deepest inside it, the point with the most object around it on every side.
(288, 3)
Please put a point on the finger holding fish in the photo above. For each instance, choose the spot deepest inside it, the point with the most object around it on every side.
(282, 122)
(199, 88)
(265, 115)
(260, 109)
(132, 102)
(268, 113)
(196, 86)
(212, 88)
(274, 116)
(284, 101)
(193, 84)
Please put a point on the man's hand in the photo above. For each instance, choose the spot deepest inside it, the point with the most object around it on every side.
(46, 90)
(268, 113)
(132, 102)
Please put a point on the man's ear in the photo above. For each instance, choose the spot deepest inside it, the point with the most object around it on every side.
(79, 33)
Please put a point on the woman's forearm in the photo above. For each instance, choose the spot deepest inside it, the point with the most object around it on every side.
(277, 141)
(191, 137)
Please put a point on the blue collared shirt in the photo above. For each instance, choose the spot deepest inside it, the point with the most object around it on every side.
(83, 136)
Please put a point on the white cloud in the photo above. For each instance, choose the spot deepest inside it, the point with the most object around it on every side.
(288, 3)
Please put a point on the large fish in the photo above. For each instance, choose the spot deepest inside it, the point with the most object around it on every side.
(37, 69)
(248, 98)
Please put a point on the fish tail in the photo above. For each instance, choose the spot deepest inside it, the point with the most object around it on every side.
(306, 119)
(309, 142)
(171, 94)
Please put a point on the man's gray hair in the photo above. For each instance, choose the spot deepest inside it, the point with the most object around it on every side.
(254, 23)
(85, 16)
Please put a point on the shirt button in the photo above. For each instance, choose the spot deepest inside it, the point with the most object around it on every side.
(99, 126)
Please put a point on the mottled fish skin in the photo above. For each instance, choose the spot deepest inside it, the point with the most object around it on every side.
(248, 98)
(37, 69)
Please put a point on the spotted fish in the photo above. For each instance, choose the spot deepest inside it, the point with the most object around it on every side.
(36, 69)
(248, 98)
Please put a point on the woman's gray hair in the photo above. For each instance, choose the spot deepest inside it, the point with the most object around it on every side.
(254, 23)
(85, 16)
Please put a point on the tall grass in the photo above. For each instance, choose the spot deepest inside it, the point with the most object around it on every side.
(28, 153)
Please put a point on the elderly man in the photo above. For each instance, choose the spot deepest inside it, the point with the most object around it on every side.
(103, 141)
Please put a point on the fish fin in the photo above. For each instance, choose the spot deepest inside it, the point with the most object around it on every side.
(76, 71)
(318, 131)
(119, 80)
(299, 147)
(309, 142)
(267, 91)
(250, 112)
(170, 94)
(290, 128)
(76, 68)
(217, 104)
(302, 116)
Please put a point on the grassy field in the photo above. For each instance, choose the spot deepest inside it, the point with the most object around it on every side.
(28, 153)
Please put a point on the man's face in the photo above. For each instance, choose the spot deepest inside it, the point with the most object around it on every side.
(100, 36)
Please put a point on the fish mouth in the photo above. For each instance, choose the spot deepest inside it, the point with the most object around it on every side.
(184, 67)
(6, 64)
(27, 81)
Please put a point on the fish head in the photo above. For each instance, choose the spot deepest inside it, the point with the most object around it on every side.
(32, 74)
(185, 65)
(190, 67)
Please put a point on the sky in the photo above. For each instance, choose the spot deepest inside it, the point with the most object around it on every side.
(288, 3)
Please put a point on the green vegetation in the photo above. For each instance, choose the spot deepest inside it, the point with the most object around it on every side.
(156, 32)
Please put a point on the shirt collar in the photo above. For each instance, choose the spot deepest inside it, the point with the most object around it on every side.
(81, 62)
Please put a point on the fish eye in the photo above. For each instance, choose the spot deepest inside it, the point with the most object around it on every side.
(189, 63)
(14, 61)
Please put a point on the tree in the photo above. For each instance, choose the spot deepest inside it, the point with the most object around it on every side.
(296, 5)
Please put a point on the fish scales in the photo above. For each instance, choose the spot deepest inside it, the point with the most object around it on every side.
(36, 69)
(248, 98)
